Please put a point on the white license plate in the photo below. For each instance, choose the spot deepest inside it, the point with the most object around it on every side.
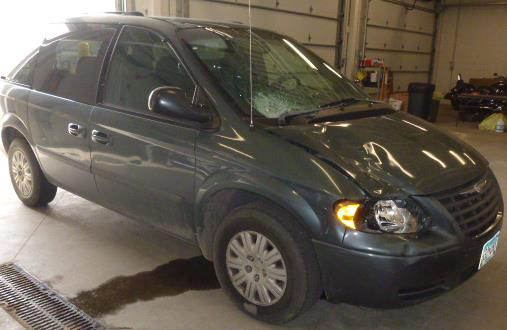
(489, 250)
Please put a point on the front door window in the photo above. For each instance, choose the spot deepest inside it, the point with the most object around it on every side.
(142, 61)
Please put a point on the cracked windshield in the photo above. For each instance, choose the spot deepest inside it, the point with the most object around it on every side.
(286, 77)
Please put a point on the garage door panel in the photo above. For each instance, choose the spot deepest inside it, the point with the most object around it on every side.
(402, 61)
(402, 80)
(420, 21)
(328, 54)
(301, 28)
(398, 40)
(414, 62)
(218, 11)
(416, 42)
(326, 8)
(263, 3)
(391, 15)
(386, 14)
(315, 7)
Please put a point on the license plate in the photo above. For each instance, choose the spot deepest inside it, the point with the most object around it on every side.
(489, 250)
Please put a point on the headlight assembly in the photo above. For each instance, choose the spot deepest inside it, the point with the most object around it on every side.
(396, 217)
(391, 216)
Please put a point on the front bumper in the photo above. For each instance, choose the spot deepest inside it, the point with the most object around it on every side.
(383, 281)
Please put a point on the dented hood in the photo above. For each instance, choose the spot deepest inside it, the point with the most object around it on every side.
(390, 154)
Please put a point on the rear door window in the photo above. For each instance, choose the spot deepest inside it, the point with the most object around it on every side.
(143, 61)
(69, 66)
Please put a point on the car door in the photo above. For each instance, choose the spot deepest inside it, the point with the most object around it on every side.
(60, 105)
(144, 162)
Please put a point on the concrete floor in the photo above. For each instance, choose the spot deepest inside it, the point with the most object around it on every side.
(129, 276)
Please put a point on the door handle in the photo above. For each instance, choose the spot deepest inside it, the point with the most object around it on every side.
(76, 130)
(100, 137)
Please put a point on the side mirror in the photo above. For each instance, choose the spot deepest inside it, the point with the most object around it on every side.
(171, 101)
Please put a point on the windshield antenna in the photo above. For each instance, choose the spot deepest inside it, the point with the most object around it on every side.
(250, 58)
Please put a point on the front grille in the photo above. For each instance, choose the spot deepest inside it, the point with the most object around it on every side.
(36, 306)
(474, 207)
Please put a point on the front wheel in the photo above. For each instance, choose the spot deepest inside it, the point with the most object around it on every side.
(266, 263)
(27, 178)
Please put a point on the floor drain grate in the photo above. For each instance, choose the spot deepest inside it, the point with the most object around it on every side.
(35, 305)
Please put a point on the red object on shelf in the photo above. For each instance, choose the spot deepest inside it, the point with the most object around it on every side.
(369, 62)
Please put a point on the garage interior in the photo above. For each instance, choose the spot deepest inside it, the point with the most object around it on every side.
(130, 276)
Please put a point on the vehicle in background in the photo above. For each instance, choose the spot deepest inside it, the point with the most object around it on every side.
(475, 103)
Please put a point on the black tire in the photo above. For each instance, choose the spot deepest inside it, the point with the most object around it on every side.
(42, 192)
(303, 286)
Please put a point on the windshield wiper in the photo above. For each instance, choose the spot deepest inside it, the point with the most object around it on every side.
(283, 119)
(342, 102)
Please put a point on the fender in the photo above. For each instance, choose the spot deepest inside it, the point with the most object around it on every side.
(264, 186)
(10, 120)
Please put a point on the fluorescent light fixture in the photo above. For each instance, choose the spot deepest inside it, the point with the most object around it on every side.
(435, 158)
(470, 158)
(458, 157)
(294, 48)
(332, 70)
(415, 125)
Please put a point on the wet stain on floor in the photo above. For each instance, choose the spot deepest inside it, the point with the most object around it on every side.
(171, 279)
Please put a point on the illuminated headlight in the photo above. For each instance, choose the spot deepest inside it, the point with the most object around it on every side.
(346, 213)
(398, 216)
(391, 216)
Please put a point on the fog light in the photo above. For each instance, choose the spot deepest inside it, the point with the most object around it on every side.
(346, 211)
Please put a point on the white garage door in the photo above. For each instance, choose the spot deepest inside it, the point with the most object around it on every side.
(403, 37)
(314, 23)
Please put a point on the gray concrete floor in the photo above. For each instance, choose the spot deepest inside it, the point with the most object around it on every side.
(110, 263)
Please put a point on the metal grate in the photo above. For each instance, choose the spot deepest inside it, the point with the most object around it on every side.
(35, 305)
(474, 208)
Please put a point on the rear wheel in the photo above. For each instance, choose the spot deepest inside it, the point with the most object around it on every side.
(266, 263)
(27, 178)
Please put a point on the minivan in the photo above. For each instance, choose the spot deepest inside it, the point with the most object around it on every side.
(286, 175)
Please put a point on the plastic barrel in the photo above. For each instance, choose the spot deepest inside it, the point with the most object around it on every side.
(435, 105)
(419, 99)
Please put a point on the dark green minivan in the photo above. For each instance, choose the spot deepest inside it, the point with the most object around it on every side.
(285, 174)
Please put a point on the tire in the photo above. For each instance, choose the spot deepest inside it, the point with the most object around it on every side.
(302, 285)
(35, 189)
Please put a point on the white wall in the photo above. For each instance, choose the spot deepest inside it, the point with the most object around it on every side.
(481, 45)
(22, 24)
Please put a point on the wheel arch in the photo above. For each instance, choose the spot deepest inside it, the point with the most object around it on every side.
(225, 192)
(12, 128)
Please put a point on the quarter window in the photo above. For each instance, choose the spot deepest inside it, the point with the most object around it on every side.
(142, 61)
(69, 67)
(23, 73)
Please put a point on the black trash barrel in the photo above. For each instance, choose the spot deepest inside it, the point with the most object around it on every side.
(419, 99)
(435, 105)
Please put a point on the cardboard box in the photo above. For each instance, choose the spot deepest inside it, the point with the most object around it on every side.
(402, 96)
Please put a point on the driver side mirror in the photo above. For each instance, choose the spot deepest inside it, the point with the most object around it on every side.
(171, 101)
